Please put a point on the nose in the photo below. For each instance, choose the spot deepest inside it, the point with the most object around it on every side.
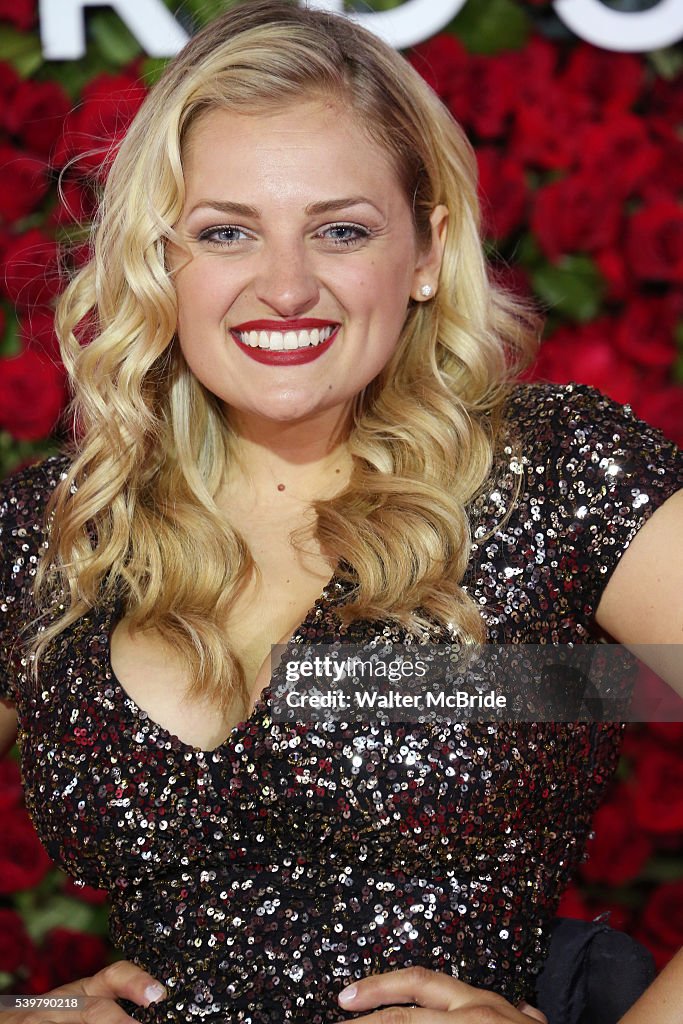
(285, 281)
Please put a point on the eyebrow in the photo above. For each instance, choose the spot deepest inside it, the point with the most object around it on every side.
(312, 210)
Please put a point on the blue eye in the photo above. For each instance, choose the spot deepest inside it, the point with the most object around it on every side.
(346, 234)
(226, 235)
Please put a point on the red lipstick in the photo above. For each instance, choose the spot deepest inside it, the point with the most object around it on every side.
(284, 357)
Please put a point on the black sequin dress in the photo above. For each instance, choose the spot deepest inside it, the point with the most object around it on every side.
(258, 879)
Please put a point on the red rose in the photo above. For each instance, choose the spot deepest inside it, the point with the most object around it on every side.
(77, 204)
(443, 62)
(37, 331)
(658, 792)
(654, 242)
(23, 183)
(511, 278)
(610, 81)
(667, 732)
(29, 273)
(492, 96)
(586, 353)
(23, 861)
(619, 150)
(666, 99)
(616, 272)
(663, 409)
(546, 131)
(11, 792)
(662, 922)
(68, 953)
(533, 70)
(666, 180)
(21, 13)
(579, 213)
(15, 945)
(32, 395)
(37, 113)
(645, 330)
(502, 190)
(574, 905)
(93, 130)
(619, 850)
(9, 83)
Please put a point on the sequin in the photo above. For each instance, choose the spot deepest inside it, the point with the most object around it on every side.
(258, 879)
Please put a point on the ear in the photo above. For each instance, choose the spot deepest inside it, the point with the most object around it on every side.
(428, 266)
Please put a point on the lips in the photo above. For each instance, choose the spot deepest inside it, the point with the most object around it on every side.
(290, 342)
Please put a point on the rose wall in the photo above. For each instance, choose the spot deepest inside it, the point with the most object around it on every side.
(581, 161)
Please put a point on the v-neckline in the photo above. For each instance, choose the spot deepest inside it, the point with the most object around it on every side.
(130, 705)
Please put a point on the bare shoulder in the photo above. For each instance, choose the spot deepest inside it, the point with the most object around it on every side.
(643, 600)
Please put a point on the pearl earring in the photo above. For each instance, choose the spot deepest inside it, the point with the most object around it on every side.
(426, 290)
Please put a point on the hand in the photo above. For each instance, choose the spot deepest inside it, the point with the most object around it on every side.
(445, 1000)
(120, 980)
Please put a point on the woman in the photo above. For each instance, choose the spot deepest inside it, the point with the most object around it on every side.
(300, 422)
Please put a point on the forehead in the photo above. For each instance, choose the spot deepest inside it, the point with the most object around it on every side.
(310, 143)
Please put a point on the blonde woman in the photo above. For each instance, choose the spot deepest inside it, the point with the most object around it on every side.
(299, 421)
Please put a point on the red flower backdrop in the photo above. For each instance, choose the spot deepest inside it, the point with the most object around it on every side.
(581, 160)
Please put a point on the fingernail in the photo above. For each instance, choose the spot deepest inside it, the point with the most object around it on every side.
(347, 994)
(155, 992)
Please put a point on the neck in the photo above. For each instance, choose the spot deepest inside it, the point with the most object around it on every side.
(275, 464)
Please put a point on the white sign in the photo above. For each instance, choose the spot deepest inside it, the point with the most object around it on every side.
(62, 24)
(634, 32)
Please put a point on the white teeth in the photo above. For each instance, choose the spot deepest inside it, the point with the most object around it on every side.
(289, 340)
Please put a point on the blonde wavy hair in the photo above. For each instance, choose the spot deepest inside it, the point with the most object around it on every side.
(135, 518)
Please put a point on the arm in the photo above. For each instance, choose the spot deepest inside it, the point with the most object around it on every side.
(643, 604)
(643, 600)
(663, 1001)
(8, 727)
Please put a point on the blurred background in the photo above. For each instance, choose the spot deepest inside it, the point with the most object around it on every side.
(580, 150)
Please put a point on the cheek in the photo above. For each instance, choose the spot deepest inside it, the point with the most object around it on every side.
(204, 293)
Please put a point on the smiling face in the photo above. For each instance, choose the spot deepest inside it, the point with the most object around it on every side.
(303, 262)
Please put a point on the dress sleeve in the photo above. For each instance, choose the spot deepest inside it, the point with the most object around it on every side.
(23, 497)
(607, 472)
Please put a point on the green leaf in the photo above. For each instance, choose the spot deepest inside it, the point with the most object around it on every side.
(152, 69)
(57, 912)
(73, 75)
(374, 5)
(113, 39)
(573, 287)
(490, 26)
(203, 11)
(528, 252)
(662, 869)
(20, 49)
(10, 344)
(5, 980)
(667, 63)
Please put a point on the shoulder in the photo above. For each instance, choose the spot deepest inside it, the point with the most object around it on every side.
(24, 496)
(592, 474)
(587, 440)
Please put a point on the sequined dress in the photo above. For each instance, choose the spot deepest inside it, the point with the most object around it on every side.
(257, 879)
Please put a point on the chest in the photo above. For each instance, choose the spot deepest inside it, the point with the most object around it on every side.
(285, 586)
